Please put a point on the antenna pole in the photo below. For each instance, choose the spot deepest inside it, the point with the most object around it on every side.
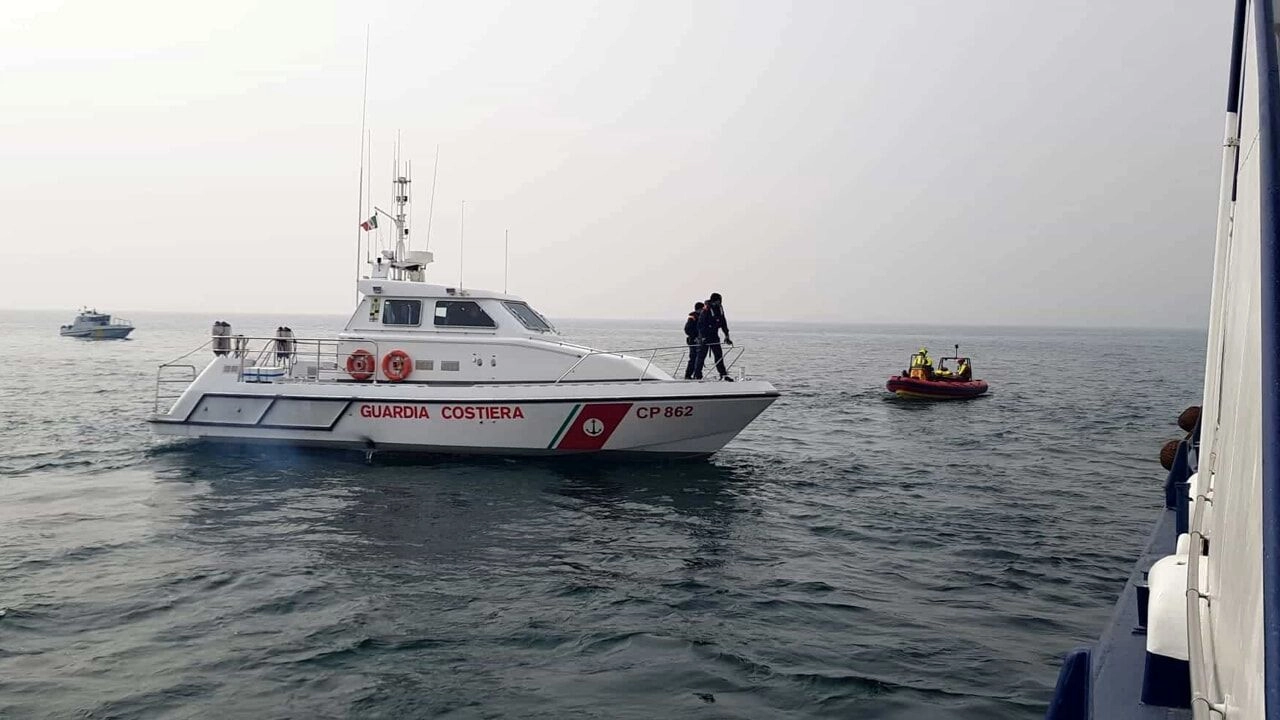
(462, 235)
(431, 208)
(364, 107)
(369, 204)
(400, 180)
(408, 240)
(506, 258)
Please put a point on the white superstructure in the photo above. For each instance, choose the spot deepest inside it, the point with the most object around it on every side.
(1196, 634)
(1224, 586)
(422, 367)
(1214, 616)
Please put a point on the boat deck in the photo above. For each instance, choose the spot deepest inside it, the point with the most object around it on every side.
(1119, 656)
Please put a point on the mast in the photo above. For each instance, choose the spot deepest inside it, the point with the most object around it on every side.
(401, 182)
(401, 264)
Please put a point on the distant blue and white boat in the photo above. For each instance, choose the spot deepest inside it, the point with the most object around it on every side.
(1196, 633)
(93, 325)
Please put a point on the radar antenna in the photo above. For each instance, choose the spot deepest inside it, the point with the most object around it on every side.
(400, 262)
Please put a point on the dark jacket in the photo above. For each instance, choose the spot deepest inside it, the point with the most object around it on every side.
(710, 322)
(691, 328)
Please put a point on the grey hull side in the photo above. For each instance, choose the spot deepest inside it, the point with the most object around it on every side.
(102, 333)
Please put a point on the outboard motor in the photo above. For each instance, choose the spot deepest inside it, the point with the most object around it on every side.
(284, 345)
(221, 338)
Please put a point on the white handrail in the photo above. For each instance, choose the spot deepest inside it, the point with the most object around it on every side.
(324, 347)
(1203, 688)
(240, 347)
(736, 349)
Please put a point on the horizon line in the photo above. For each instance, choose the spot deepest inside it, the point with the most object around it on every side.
(803, 321)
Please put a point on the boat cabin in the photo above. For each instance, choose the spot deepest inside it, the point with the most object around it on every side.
(402, 307)
(443, 334)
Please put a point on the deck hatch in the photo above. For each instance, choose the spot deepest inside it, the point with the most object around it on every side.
(230, 410)
(298, 413)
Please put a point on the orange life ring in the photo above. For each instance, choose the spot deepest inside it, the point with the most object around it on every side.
(360, 365)
(397, 365)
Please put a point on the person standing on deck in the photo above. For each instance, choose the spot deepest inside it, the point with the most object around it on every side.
(710, 322)
(691, 339)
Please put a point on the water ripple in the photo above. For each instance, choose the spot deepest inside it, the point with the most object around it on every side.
(848, 556)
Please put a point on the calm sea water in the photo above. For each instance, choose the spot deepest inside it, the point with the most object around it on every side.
(848, 555)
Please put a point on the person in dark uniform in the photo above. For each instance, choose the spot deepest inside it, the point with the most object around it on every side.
(691, 339)
(710, 322)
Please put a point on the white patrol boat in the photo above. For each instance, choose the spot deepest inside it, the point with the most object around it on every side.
(425, 368)
(93, 325)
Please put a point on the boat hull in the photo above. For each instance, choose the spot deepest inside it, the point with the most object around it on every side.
(671, 419)
(112, 332)
(916, 389)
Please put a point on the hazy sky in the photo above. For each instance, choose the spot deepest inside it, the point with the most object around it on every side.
(976, 162)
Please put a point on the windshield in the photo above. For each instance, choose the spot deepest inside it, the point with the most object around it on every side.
(528, 316)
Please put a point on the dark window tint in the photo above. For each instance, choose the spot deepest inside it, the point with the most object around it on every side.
(461, 313)
(528, 316)
(402, 312)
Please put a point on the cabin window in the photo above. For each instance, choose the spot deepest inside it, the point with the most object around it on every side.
(528, 316)
(462, 313)
(402, 312)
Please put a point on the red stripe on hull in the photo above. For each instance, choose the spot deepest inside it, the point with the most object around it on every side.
(593, 426)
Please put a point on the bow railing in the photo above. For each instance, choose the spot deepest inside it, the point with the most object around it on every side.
(659, 356)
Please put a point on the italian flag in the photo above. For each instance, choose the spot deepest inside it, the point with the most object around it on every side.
(369, 224)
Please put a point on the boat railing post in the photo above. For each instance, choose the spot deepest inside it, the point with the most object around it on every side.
(737, 355)
(573, 367)
(652, 355)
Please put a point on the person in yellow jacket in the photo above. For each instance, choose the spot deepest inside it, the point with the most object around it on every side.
(921, 364)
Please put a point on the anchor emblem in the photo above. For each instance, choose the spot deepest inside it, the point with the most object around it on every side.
(593, 427)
